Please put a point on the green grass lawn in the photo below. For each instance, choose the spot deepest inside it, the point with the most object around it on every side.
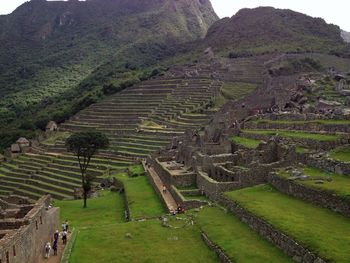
(295, 134)
(300, 149)
(104, 210)
(149, 242)
(102, 235)
(143, 200)
(240, 242)
(246, 142)
(335, 122)
(237, 90)
(341, 154)
(340, 184)
(319, 229)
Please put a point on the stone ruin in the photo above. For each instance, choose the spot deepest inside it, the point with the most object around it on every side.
(25, 228)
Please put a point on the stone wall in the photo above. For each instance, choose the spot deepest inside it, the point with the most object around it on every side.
(217, 249)
(168, 179)
(212, 188)
(307, 126)
(307, 143)
(280, 239)
(27, 243)
(186, 203)
(328, 164)
(318, 197)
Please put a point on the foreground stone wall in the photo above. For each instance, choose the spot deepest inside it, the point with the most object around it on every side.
(318, 197)
(26, 245)
(217, 249)
(281, 240)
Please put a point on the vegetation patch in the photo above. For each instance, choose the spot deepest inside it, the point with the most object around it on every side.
(142, 199)
(146, 241)
(341, 154)
(339, 184)
(295, 134)
(316, 228)
(105, 237)
(107, 209)
(246, 142)
(330, 122)
(237, 90)
(237, 239)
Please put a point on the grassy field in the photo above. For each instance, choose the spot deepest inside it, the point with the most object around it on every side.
(143, 201)
(340, 184)
(295, 134)
(104, 210)
(316, 228)
(246, 142)
(331, 122)
(138, 242)
(341, 154)
(237, 90)
(237, 239)
(233, 91)
(103, 237)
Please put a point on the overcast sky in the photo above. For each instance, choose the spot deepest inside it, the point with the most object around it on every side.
(334, 11)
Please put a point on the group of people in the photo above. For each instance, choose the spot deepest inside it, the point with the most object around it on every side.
(179, 210)
(56, 236)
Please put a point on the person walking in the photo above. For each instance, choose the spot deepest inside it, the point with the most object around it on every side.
(56, 236)
(64, 237)
(67, 225)
(55, 248)
(47, 250)
(63, 226)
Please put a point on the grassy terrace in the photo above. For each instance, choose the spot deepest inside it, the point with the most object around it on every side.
(316, 228)
(84, 218)
(341, 154)
(148, 242)
(237, 90)
(340, 184)
(330, 122)
(246, 142)
(143, 201)
(237, 239)
(295, 134)
(105, 237)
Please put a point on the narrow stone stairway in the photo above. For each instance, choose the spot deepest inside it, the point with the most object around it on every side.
(167, 197)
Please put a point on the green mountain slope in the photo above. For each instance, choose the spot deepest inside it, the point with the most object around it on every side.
(56, 57)
(266, 29)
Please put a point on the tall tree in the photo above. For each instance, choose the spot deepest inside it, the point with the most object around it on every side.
(85, 145)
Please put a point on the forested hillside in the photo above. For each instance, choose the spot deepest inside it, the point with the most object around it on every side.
(58, 57)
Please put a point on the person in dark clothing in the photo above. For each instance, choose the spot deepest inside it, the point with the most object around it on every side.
(55, 248)
(56, 236)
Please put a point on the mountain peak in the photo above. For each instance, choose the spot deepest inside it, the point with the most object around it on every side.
(270, 28)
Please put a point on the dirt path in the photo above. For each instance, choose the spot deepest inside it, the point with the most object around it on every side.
(167, 197)
(53, 259)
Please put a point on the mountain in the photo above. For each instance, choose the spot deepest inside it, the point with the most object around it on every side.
(268, 29)
(55, 54)
(346, 36)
